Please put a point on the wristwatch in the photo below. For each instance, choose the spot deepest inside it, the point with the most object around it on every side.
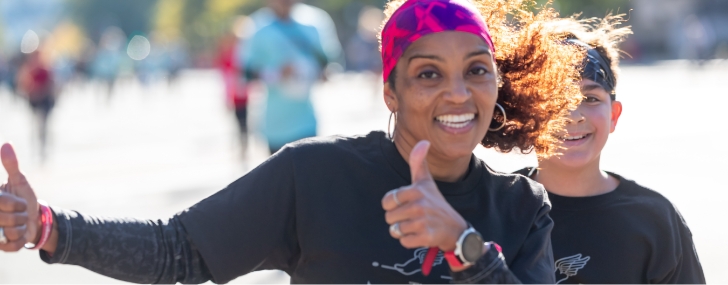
(468, 249)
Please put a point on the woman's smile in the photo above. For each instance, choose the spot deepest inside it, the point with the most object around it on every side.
(456, 123)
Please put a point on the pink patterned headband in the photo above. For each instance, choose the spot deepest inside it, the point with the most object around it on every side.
(418, 18)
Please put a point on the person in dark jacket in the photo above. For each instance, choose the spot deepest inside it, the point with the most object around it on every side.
(411, 206)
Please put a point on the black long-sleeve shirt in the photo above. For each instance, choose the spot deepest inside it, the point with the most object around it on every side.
(313, 210)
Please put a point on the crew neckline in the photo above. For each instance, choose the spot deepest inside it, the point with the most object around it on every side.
(396, 161)
(570, 203)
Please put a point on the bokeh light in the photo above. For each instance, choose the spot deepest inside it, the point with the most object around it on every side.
(139, 48)
(30, 42)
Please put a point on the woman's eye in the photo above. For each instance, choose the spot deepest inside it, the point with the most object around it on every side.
(478, 71)
(429, 75)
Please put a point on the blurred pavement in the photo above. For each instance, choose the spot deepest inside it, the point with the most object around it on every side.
(151, 152)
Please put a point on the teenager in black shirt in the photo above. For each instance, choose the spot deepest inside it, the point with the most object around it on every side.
(608, 229)
(324, 210)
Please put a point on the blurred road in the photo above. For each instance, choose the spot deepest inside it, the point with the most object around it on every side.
(150, 152)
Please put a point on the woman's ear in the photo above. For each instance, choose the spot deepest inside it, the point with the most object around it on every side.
(390, 98)
(616, 112)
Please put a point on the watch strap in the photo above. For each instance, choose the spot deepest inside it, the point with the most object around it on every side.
(453, 259)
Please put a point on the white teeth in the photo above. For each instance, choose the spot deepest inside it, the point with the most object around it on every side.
(573, 138)
(455, 121)
(456, 118)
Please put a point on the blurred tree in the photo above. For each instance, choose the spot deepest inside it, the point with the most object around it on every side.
(590, 8)
(132, 16)
(345, 13)
(201, 22)
(168, 17)
(66, 39)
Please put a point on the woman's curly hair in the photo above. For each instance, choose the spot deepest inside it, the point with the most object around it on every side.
(538, 75)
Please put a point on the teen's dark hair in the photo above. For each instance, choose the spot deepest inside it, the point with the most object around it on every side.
(604, 35)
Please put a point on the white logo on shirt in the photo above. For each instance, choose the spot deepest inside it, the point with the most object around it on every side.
(570, 265)
(414, 264)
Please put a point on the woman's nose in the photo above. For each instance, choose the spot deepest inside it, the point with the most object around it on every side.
(459, 92)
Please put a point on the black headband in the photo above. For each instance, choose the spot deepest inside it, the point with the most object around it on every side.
(596, 68)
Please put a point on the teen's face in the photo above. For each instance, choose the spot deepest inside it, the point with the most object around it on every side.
(588, 127)
(445, 92)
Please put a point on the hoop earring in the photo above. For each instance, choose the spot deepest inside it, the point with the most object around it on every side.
(389, 124)
(503, 111)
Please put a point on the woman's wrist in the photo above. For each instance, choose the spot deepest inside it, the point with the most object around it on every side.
(52, 243)
(46, 235)
(44, 226)
(452, 241)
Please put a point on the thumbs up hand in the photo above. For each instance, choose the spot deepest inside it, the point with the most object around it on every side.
(418, 213)
(19, 210)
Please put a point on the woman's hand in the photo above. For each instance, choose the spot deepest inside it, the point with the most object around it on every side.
(19, 210)
(419, 211)
(13, 220)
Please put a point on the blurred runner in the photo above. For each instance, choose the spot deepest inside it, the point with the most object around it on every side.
(362, 49)
(35, 82)
(288, 56)
(108, 59)
(306, 15)
(230, 66)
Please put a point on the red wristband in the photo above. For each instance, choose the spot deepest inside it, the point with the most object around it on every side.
(453, 260)
(46, 220)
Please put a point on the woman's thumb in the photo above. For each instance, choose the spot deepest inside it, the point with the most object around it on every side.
(9, 160)
(418, 162)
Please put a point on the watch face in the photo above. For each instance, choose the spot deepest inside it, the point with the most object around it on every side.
(472, 247)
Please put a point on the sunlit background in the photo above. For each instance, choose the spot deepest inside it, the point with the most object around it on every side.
(142, 125)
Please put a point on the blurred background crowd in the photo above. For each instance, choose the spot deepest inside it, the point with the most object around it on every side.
(46, 45)
(144, 107)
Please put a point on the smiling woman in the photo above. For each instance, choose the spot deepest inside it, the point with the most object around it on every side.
(417, 207)
(530, 65)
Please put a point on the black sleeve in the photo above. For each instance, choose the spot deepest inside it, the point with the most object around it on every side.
(687, 269)
(140, 251)
(534, 263)
(491, 268)
(251, 224)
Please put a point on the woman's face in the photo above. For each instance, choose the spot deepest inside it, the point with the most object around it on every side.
(445, 92)
(588, 127)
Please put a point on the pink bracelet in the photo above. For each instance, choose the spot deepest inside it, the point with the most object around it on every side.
(46, 219)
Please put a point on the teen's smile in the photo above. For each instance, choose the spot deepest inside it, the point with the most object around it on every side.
(575, 139)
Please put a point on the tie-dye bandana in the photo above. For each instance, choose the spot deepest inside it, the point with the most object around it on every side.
(418, 18)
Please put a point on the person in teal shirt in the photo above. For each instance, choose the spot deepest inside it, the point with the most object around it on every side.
(288, 57)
